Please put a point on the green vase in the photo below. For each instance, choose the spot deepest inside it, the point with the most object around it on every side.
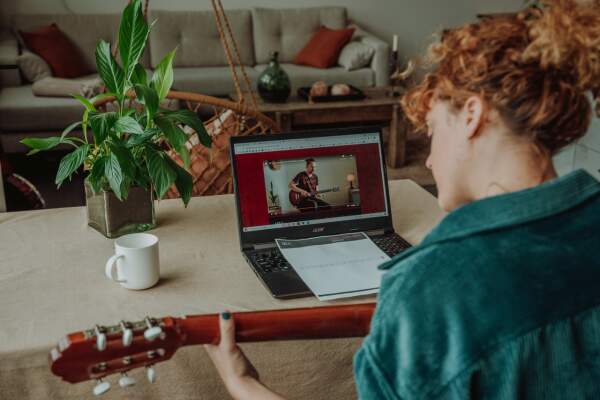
(274, 83)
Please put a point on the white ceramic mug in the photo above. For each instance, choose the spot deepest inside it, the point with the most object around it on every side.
(136, 259)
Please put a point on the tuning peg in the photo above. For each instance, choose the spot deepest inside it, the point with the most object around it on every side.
(152, 332)
(100, 338)
(101, 387)
(150, 374)
(126, 380)
(127, 334)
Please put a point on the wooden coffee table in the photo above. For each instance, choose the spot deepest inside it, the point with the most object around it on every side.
(379, 107)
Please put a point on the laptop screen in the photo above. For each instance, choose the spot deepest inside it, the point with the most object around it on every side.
(286, 182)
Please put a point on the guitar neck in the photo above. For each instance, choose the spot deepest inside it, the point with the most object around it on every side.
(302, 323)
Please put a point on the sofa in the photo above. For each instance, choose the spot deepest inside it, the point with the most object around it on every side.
(200, 64)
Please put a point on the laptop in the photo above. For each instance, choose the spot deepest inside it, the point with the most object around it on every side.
(309, 184)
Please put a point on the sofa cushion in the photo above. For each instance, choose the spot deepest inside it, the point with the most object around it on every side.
(288, 30)
(356, 55)
(196, 37)
(20, 110)
(214, 81)
(51, 44)
(59, 87)
(323, 49)
(33, 66)
(305, 76)
(84, 30)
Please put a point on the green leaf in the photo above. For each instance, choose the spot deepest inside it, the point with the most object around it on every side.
(133, 33)
(101, 124)
(69, 128)
(110, 72)
(160, 171)
(70, 163)
(40, 144)
(88, 104)
(175, 136)
(125, 159)
(127, 112)
(96, 174)
(148, 97)
(162, 79)
(139, 76)
(99, 97)
(113, 174)
(146, 137)
(128, 125)
(190, 118)
(184, 182)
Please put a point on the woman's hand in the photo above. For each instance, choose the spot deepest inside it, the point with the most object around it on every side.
(238, 373)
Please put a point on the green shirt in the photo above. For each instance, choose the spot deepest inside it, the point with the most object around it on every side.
(500, 301)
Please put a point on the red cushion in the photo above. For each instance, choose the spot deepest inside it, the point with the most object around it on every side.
(323, 49)
(51, 44)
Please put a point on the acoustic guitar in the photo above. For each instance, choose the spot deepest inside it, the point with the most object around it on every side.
(96, 353)
(296, 198)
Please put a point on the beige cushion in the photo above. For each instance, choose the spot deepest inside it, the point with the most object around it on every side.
(355, 55)
(21, 110)
(59, 87)
(288, 30)
(33, 66)
(197, 38)
(209, 80)
(305, 76)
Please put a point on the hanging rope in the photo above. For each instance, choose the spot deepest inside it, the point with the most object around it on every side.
(225, 43)
(220, 14)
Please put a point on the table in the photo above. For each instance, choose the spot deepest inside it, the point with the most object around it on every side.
(52, 283)
(379, 107)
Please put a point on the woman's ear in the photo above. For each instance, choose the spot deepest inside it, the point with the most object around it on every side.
(473, 112)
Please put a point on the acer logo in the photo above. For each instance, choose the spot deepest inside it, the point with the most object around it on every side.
(319, 229)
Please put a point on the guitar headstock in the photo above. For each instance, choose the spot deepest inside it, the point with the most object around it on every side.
(101, 351)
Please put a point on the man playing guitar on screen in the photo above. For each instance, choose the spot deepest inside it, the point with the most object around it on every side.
(306, 184)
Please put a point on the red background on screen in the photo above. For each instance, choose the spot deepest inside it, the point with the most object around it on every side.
(251, 180)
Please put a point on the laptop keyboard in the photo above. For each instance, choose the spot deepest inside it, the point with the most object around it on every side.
(391, 244)
(271, 260)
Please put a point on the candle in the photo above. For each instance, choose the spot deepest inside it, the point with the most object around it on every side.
(395, 45)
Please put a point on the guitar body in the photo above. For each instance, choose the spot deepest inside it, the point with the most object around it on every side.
(296, 198)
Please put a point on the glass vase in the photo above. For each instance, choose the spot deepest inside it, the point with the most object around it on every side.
(274, 84)
(113, 217)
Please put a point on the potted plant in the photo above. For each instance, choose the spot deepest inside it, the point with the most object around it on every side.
(126, 157)
(274, 207)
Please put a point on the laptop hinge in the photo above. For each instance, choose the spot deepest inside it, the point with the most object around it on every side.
(259, 246)
(376, 232)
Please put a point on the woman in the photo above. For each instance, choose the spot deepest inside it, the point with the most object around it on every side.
(502, 298)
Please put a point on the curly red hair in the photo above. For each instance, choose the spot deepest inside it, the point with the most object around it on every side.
(534, 68)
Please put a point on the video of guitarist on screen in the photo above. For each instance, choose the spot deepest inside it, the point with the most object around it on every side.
(313, 187)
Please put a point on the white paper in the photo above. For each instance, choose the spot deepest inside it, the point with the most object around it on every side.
(336, 266)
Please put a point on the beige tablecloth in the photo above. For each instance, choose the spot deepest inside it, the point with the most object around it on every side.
(52, 283)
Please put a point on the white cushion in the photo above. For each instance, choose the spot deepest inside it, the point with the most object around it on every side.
(356, 55)
(33, 67)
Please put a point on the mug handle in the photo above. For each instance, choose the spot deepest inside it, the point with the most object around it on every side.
(110, 264)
